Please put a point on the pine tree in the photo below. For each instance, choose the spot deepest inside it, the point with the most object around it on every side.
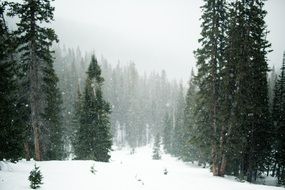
(168, 133)
(11, 145)
(178, 134)
(35, 41)
(210, 61)
(156, 155)
(245, 115)
(251, 112)
(35, 178)
(93, 137)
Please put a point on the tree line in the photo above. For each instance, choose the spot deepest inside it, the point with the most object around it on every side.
(31, 99)
(57, 107)
(233, 119)
(138, 102)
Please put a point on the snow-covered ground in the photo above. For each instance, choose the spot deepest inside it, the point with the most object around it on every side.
(125, 172)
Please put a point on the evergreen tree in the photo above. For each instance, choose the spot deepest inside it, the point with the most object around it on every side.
(168, 133)
(34, 47)
(178, 134)
(93, 137)
(248, 50)
(210, 61)
(35, 178)
(11, 145)
(156, 148)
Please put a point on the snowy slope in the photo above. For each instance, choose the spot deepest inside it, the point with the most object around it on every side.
(125, 171)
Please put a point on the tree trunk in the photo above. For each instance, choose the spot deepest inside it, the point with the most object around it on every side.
(27, 151)
(35, 100)
(223, 142)
(223, 165)
(273, 170)
(215, 165)
(38, 156)
(249, 170)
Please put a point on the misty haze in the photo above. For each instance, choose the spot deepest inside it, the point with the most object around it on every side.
(153, 94)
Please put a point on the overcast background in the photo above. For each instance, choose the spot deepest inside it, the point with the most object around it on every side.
(155, 34)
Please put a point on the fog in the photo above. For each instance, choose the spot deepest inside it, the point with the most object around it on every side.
(155, 34)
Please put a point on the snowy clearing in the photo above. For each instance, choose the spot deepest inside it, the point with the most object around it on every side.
(125, 171)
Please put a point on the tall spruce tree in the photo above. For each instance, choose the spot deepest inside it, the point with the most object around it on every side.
(252, 112)
(11, 135)
(34, 47)
(93, 137)
(245, 115)
(210, 61)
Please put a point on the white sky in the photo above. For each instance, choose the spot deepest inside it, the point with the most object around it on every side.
(155, 34)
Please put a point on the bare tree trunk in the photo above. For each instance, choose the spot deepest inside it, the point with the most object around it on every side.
(223, 165)
(27, 151)
(274, 170)
(223, 143)
(250, 169)
(215, 165)
(35, 100)
(37, 144)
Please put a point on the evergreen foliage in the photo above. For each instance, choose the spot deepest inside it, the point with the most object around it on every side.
(190, 151)
(279, 126)
(76, 121)
(167, 133)
(53, 148)
(11, 135)
(35, 41)
(224, 119)
(93, 136)
(35, 178)
(179, 130)
(156, 155)
(250, 124)
(138, 102)
(232, 69)
(210, 61)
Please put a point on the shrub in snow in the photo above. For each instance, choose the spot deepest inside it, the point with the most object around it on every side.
(92, 169)
(35, 178)
(165, 172)
(132, 151)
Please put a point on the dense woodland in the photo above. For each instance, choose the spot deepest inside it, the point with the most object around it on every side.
(59, 103)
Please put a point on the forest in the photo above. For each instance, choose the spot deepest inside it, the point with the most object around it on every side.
(60, 103)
